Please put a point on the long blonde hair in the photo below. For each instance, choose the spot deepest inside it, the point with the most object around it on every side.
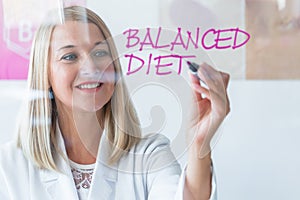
(37, 132)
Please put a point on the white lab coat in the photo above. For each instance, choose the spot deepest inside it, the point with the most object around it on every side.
(149, 171)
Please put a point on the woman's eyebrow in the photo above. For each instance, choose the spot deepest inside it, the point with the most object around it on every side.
(101, 42)
(104, 42)
(66, 47)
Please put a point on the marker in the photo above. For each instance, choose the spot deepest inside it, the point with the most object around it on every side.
(194, 69)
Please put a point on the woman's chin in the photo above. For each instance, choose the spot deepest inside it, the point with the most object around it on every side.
(87, 108)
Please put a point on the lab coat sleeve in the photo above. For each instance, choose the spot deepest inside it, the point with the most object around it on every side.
(4, 194)
(163, 170)
(179, 192)
(3, 187)
(14, 180)
(165, 180)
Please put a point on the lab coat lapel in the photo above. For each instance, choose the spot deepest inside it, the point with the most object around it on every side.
(105, 176)
(60, 185)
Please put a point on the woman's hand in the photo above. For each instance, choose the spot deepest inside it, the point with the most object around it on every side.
(211, 106)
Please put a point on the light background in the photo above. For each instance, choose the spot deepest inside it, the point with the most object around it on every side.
(257, 156)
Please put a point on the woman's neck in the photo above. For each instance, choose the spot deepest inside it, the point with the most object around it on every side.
(81, 132)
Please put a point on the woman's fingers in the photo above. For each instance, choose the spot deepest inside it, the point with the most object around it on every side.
(195, 83)
(226, 78)
(215, 80)
(211, 77)
(217, 83)
(203, 91)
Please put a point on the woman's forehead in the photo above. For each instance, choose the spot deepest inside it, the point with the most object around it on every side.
(75, 33)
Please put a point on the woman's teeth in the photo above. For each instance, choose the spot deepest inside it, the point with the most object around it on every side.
(89, 86)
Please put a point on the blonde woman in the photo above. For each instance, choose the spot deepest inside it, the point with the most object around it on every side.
(80, 136)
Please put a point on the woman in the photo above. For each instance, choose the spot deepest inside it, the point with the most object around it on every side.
(80, 138)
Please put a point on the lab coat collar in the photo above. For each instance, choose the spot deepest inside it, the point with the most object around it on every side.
(105, 176)
(62, 186)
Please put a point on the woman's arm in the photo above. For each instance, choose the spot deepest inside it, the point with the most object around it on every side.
(198, 178)
(209, 113)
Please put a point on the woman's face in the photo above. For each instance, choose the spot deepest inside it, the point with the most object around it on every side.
(81, 69)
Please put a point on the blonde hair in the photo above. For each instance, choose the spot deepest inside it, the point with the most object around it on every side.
(37, 132)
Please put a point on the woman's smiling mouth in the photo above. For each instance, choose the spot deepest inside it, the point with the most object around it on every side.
(90, 86)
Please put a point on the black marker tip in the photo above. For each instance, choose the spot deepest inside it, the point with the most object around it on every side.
(193, 66)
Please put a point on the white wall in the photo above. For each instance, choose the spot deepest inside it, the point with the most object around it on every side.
(257, 156)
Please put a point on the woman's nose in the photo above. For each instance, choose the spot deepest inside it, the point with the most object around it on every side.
(89, 66)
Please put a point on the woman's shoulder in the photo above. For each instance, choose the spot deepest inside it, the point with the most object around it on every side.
(154, 152)
(10, 149)
(152, 143)
(11, 156)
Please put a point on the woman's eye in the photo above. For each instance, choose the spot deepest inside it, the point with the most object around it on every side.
(100, 53)
(69, 57)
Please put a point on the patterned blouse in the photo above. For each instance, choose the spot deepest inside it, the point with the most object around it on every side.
(82, 175)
